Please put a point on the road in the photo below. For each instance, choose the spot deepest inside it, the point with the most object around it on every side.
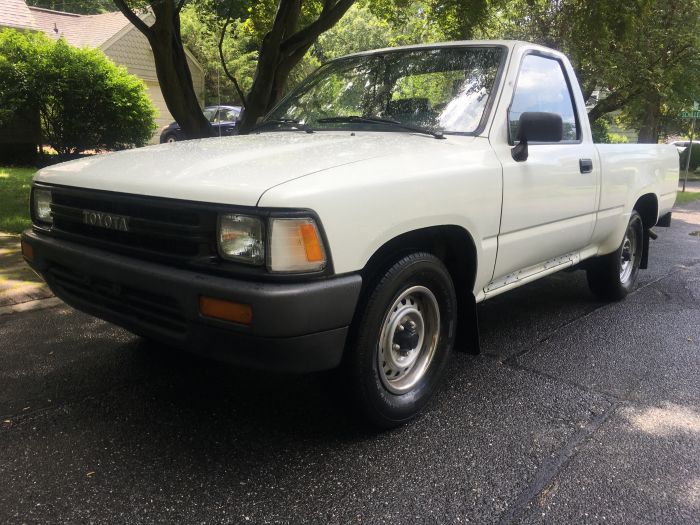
(576, 411)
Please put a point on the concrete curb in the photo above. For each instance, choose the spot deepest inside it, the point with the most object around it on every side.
(19, 284)
(30, 306)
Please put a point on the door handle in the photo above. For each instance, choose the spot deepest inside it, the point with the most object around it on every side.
(585, 165)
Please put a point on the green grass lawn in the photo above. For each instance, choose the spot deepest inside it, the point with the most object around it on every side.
(15, 184)
(683, 197)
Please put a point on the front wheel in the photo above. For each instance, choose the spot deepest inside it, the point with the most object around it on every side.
(611, 277)
(402, 340)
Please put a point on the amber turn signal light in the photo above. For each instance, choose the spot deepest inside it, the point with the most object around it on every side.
(312, 244)
(27, 251)
(226, 310)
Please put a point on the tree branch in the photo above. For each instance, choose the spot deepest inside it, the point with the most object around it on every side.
(291, 18)
(327, 19)
(180, 5)
(223, 63)
(133, 17)
(611, 103)
(616, 101)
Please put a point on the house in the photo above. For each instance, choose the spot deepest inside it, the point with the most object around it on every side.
(113, 34)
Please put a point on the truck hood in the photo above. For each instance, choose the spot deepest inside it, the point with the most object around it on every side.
(231, 170)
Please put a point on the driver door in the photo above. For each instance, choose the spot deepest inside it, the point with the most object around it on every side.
(549, 200)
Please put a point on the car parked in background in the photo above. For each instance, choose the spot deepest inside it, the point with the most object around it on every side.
(681, 145)
(223, 122)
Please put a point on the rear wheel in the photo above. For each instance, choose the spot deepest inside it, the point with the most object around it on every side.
(402, 340)
(171, 138)
(611, 277)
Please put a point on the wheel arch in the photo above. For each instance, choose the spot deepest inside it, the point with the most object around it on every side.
(455, 247)
(648, 207)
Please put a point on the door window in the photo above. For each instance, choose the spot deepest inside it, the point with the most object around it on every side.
(542, 86)
(227, 115)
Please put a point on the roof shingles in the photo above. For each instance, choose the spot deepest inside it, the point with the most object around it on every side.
(15, 13)
(79, 30)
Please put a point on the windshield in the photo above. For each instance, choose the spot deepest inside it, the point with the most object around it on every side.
(441, 88)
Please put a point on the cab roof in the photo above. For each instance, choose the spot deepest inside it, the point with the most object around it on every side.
(509, 44)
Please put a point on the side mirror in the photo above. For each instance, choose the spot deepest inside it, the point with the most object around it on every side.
(536, 126)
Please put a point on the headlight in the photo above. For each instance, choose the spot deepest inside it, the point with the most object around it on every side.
(241, 239)
(42, 206)
(295, 246)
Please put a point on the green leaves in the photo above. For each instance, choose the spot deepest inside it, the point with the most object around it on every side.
(85, 101)
(200, 34)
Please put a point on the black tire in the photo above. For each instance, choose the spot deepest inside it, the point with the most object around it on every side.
(386, 396)
(606, 277)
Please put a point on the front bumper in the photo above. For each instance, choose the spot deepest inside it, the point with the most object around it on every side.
(296, 327)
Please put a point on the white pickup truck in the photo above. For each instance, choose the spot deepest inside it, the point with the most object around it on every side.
(361, 222)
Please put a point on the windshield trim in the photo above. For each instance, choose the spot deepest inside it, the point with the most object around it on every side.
(489, 103)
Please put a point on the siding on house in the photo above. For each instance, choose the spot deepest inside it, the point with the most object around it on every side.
(163, 117)
(132, 50)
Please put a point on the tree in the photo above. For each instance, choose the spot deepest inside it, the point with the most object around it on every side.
(654, 66)
(172, 70)
(201, 24)
(284, 45)
(359, 30)
(85, 101)
(426, 19)
(201, 34)
(638, 55)
(282, 48)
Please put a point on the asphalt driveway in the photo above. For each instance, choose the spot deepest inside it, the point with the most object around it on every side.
(576, 411)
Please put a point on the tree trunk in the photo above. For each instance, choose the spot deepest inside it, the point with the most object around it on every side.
(282, 49)
(269, 85)
(171, 66)
(258, 99)
(174, 73)
(176, 85)
(263, 94)
(650, 130)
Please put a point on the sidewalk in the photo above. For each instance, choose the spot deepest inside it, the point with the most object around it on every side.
(18, 283)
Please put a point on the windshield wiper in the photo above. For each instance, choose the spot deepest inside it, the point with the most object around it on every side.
(377, 120)
(290, 123)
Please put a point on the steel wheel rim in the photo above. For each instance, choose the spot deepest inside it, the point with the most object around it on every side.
(628, 255)
(408, 339)
(170, 140)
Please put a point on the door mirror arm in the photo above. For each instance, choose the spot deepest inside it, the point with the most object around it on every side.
(520, 152)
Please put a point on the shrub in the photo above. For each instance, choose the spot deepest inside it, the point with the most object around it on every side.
(694, 159)
(85, 101)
